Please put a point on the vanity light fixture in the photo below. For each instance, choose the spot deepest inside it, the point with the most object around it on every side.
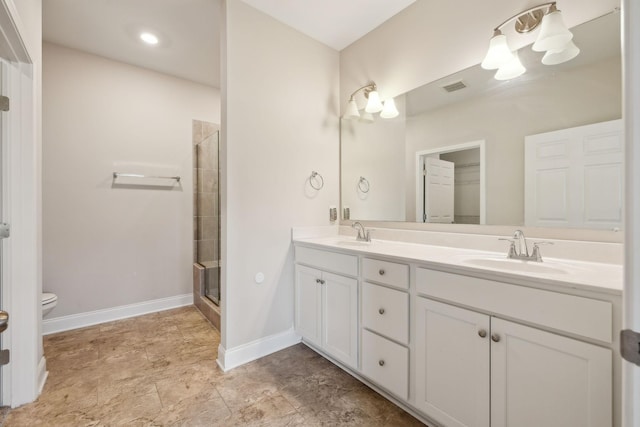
(387, 109)
(554, 38)
(511, 69)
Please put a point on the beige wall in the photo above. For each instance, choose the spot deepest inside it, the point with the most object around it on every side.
(105, 245)
(433, 39)
(280, 122)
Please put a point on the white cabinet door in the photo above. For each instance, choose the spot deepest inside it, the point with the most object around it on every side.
(308, 303)
(340, 318)
(452, 364)
(543, 379)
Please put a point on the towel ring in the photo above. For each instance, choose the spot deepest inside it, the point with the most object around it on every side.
(363, 185)
(315, 176)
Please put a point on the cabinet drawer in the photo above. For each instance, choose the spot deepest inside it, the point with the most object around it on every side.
(386, 311)
(389, 273)
(328, 261)
(386, 363)
(577, 315)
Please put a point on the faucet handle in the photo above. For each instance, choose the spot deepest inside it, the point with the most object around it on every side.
(535, 253)
(512, 247)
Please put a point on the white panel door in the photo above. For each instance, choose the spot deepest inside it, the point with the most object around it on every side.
(569, 380)
(574, 177)
(308, 301)
(452, 364)
(340, 318)
(439, 190)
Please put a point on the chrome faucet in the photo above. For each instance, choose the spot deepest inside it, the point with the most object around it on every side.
(519, 250)
(521, 244)
(363, 234)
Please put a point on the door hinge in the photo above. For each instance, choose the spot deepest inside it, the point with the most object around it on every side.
(4, 103)
(5, 230)
(4, 357)
(630, 346)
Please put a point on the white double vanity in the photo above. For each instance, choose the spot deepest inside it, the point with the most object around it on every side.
(466, 337)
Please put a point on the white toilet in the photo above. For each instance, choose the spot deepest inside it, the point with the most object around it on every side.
(49, 301)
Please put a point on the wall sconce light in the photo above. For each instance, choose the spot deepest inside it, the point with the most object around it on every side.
(554, 39)
(387, 110)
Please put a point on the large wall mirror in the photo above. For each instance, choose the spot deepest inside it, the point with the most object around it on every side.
(543, 149)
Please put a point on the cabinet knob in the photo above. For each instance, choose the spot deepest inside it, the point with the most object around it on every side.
(495, 337)
(381, 271)
(322, 282)
(318, 280)
(381, 362)
(482, 333)
(381, 310)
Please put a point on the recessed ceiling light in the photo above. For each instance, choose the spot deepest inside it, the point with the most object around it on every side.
(149, 38)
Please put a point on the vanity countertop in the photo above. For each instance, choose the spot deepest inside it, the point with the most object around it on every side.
(552, 272)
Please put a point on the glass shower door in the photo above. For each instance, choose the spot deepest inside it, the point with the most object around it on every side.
(207, 222)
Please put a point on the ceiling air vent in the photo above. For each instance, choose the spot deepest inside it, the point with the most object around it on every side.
(454, 86)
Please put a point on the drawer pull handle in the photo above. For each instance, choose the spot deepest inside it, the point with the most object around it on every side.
(495, 337)
(482, 333)
(381, 362)
(381, 271)
(381, 310)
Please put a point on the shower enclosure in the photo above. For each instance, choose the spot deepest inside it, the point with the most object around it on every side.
(207, 208)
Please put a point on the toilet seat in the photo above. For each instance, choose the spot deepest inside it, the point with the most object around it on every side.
(48, 298)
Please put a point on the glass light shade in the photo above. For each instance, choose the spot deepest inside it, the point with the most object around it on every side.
(511, 70)
(553, 57)
(352, 110)
(374, 105)
(366, 117)
(554, 35)
(498, 53)
(389, 111)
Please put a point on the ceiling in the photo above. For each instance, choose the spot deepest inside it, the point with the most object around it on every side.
(336, 23)
(189, 29)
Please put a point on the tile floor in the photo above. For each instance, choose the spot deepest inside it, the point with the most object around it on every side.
(160, 370)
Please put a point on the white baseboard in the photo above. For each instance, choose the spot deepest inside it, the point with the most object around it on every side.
(81, 320)
(234, 357)
(42, 374)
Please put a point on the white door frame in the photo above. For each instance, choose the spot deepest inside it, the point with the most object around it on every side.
(630, 114)
(24, 376)
(449, 149)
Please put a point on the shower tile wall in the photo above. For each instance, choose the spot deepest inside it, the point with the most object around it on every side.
(206, 222)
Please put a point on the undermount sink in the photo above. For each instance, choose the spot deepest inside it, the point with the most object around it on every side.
(354, 243)
(514, 265)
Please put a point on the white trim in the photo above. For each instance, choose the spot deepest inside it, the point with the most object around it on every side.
(631, 294)
(448, 149)
(81, 320)
(42, 374)
(245, 353)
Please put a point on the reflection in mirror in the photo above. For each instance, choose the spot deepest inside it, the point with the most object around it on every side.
(472, 129)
